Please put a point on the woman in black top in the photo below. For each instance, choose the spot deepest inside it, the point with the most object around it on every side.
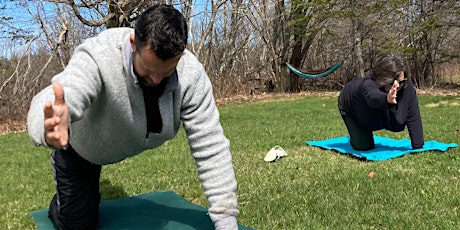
(384, 100)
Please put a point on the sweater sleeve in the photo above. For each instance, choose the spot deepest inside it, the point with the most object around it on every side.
(80, 89)
(375, 98)
(414, 119)
(209, 146)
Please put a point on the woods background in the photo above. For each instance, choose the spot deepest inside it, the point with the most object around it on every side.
(243, 44)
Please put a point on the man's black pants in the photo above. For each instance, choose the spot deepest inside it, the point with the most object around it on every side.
(76, 202)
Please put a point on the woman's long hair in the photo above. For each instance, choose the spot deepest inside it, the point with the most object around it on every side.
(387, 68)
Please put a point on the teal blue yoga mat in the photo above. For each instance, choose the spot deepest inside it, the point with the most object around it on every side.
(156, 210)
(385, 147)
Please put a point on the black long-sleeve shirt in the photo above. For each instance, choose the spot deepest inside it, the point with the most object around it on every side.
(366, 103)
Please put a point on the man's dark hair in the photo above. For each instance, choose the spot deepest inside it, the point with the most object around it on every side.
(163, 28)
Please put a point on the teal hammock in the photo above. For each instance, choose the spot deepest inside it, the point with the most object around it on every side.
(314, 74)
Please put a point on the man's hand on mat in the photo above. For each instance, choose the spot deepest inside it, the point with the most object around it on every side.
(56, 119)
(391, 96)
(227, 223)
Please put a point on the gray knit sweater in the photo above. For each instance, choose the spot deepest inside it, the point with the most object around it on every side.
(108, 119)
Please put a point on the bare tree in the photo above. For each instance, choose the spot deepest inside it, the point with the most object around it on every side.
(204, 31)
(268, 20)
(356, 29)
(108, 14)
(46, 54)
(431, 23)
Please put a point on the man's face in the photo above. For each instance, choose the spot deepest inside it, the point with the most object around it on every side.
(151, 69)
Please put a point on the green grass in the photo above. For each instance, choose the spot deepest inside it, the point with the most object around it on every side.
(308, 189)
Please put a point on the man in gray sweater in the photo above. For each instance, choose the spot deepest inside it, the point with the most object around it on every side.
(123, 92)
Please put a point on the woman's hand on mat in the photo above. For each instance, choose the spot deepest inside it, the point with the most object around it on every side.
(391, 96)
(57, 119)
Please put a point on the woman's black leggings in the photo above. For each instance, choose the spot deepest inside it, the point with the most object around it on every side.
(360, 138)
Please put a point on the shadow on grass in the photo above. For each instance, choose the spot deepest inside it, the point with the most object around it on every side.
(110, 191)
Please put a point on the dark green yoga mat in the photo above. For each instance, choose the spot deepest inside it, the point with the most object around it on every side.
(156, 210)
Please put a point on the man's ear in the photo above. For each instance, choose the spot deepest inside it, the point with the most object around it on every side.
(131, 40)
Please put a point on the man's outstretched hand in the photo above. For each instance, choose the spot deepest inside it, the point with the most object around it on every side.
(57, 119)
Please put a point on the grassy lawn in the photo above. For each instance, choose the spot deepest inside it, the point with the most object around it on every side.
(308, 189)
